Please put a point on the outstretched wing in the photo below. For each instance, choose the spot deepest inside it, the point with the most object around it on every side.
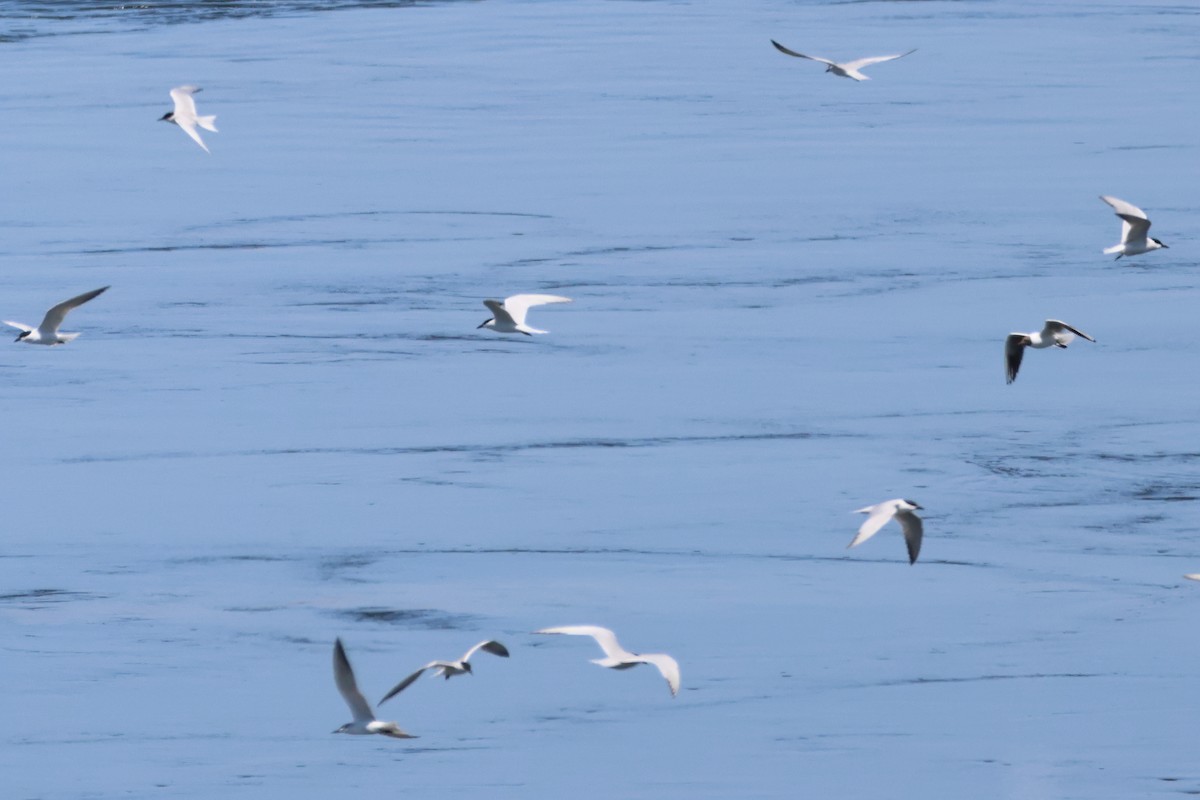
(878, 517)
(603, 636)
(866, 62)
(490, 646)
(55, 316)
(1014, 351)
(1135, 224)
(518, 305)
(188, 124)
(499, 312)
(343, 676)
(913, 529)
(668, 666)
(184, 102)
(1063, 332)
(409, 681)
(783, 49)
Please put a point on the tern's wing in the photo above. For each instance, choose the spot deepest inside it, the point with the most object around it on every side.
(185, 104)
(343, 676)
(1064, 332)
(1014, 351)
(493, 647)
(518, 305)
(1136, 225)
(189, 127)
(404, 684)
(668, 666)
(1122, 208)
(499, 312)
(866, 62)
(913, 529)
(879, 515)
(603, 636)
(783, 49)
(55, 316)
(21, 326)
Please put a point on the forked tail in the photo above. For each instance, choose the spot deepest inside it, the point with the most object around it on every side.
(209, 123)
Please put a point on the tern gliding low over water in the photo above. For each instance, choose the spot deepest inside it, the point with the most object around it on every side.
(509, 316)
(848, 69)
(184, 114)
(448, 668)
(364, 718)
(1055, 334)
(47, 332)
(1135, 230)
(617, 657)
(902, 512)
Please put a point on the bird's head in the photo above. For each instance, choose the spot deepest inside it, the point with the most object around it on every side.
(345, 728)
(1158, 242)
(21, 336)
(167, 117)
(467, 668)
(913, 505)
(829, 68)
(485, 323)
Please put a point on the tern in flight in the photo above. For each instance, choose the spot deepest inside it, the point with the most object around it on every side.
(185, 115)
(1135, 230)
(902, 512)
(509, 316)
(848, 69)
(47, 332)
(617, 657)
(1055, 334)
(448, 668)
(364, 718)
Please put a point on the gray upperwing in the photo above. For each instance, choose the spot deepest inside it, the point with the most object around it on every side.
(343, 676)
(404, 684)
(913, 529)
(783, 49)
(56, 315)
(499, 311)
(1014, 351)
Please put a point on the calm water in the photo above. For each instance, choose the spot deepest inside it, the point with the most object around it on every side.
(791, 292)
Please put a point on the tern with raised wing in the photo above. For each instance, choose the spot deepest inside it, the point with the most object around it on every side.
(1135, 230)
(448, 669)
(184, 114)
(509, 316)
(617, 657)
(899, 510)
(1056, 333)
(47, 332)
(847, 69)
(364, 718)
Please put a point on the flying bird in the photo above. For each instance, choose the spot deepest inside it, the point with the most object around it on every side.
(1135, 229)
(902, 512)
(509, 316)
(448, 668)
(617, 657)
(185, 115)
(47, 333)
(1055, 334)
(364, 718)
(849, 69)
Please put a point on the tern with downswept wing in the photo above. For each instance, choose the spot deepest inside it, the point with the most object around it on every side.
(847, 69)
(448, 669)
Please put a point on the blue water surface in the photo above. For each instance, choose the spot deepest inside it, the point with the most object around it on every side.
(791, 292)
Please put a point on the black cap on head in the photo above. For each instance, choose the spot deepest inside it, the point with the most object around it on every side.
(914, 504)
(167, 117)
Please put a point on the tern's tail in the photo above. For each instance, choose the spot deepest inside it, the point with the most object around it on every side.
(209, 123)
(1116, 248)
